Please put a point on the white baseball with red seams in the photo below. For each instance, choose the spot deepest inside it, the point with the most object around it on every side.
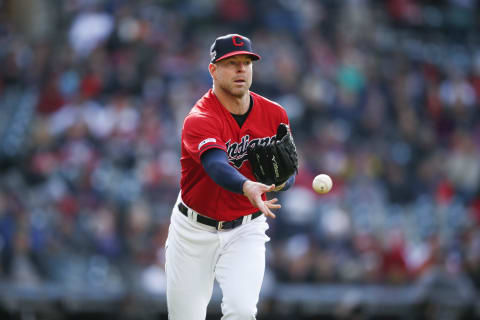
(322, 183)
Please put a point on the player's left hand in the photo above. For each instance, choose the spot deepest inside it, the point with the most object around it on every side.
(277, 161)
(254, 190)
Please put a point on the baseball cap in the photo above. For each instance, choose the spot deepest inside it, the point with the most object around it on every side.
(230, 45)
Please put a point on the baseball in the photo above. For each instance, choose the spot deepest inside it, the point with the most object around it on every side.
(322, 183)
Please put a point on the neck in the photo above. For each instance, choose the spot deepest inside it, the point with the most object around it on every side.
(234, 104)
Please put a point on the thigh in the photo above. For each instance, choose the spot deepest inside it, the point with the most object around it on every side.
(240, 269)
(190, 255)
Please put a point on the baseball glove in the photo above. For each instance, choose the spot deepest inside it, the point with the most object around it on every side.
(276, 161)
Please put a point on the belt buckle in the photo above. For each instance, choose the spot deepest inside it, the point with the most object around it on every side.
(220, 225)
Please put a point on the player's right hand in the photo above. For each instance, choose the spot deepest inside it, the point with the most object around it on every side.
(254, 190)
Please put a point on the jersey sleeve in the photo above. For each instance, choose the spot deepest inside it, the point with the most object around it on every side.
(284, 116)
(201, 133)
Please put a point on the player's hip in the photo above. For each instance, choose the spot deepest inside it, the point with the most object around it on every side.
(187, 217)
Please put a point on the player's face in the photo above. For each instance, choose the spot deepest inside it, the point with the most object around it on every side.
(234, 75)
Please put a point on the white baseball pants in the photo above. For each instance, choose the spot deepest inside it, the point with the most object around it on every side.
(196, 254)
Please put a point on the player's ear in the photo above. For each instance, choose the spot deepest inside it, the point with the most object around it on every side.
(211, 68)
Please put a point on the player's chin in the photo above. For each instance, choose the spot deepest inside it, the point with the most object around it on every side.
(239, 91)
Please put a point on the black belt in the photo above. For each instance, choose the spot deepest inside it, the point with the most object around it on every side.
(219, 225)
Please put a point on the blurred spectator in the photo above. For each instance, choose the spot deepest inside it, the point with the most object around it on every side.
(383, 96)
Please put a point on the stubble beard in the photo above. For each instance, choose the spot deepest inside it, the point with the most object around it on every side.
(235, 92)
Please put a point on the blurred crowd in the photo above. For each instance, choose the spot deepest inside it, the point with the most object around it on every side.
(384, 96)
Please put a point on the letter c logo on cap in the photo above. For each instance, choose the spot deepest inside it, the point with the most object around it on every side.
(239, 43)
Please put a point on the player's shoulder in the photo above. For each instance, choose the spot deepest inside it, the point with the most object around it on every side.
(205, 106)
(265, 101)
(203, 110)
(268, 103)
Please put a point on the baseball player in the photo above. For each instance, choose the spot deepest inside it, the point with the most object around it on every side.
(218, 223)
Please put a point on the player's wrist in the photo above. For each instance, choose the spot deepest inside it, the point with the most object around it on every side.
(245, 186)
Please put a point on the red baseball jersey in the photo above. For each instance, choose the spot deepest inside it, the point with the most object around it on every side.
(210, 125)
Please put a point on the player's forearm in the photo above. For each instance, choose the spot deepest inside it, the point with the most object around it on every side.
(216, 165)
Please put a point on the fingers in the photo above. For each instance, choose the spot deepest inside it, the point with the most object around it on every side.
(262, 206)
(265, 207)
(266, 211)
(272, 204)
(253, 191)
(274, 200)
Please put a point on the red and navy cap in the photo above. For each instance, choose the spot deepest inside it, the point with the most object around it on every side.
(230, 45)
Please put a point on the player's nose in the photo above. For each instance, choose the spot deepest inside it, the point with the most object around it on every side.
(241, 67)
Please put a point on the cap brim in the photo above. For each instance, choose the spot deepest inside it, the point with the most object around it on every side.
(234, 53)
